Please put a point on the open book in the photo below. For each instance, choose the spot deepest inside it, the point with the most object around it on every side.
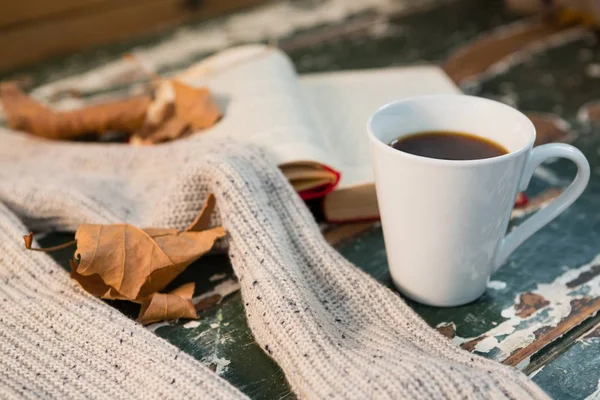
(313, 125)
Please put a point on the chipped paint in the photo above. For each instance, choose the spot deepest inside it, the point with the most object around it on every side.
(487, 344)
(447, 329)
(530, 303)
(268, 22)
(191, 324)
(223, 289)
(541, 315)
(496, 285)
(537, 371)
(593, 333)
(217, 277)
(215, 362)
(154, 327)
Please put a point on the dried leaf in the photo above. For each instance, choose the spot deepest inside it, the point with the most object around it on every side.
(202, 221)
(176, 304)
(122, 262)
(164, 132)
(134, 262)
(175, 110)
(24, 113)
(128, 263)
(94, 284)
(195, 106)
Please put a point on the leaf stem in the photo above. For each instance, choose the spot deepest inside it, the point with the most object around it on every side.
(29, 239)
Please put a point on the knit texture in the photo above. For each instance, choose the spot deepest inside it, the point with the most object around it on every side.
(333, 329)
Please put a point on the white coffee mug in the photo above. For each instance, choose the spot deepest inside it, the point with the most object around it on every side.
(444, 222)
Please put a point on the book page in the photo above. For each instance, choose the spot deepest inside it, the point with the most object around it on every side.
(342, 102)
(257, 88)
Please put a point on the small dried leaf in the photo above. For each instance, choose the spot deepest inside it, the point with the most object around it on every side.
(176, 304)
(202, 221)
(194, 106)
(175, 110)
(24, 113)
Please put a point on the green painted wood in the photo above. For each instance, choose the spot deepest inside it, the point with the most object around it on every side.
(552, 81)
(575, 374)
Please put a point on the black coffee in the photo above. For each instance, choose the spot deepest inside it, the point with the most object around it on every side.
(448, 145)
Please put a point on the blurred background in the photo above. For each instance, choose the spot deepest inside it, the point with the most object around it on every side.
(34, 30)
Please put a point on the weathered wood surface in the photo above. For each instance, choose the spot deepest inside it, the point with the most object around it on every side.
(574, 374)
(541, 302)
(32, 30)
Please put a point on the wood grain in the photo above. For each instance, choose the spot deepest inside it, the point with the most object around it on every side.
(27, 11)
(104, 22)
(339, 233)
(476, 57)
(581, 310)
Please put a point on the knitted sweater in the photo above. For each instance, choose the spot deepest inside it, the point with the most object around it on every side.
(335, 331)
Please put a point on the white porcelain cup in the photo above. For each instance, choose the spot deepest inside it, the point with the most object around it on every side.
(444, 222)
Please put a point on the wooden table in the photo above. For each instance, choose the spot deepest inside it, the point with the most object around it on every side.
(539, 313)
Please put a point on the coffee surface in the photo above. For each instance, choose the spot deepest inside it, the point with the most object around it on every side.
(448, 145)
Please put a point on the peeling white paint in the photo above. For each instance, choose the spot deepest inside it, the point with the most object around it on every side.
(223, 289)
(221, 363)
(191, 324)
(496, 285)
(537, 371)
(268, 22)
(213, 358)
(486, 344)
(154, 327)
(507, 336)
(217, 277)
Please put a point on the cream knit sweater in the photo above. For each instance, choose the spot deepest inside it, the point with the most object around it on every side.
(335, 331)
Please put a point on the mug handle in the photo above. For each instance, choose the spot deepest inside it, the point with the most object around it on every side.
(537, 156)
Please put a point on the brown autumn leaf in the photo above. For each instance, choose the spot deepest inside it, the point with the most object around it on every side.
(127, 263)
(163, 306)
(133, 262)
(195, 106)
(176, 110)
(124, 262)
(24, 113)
